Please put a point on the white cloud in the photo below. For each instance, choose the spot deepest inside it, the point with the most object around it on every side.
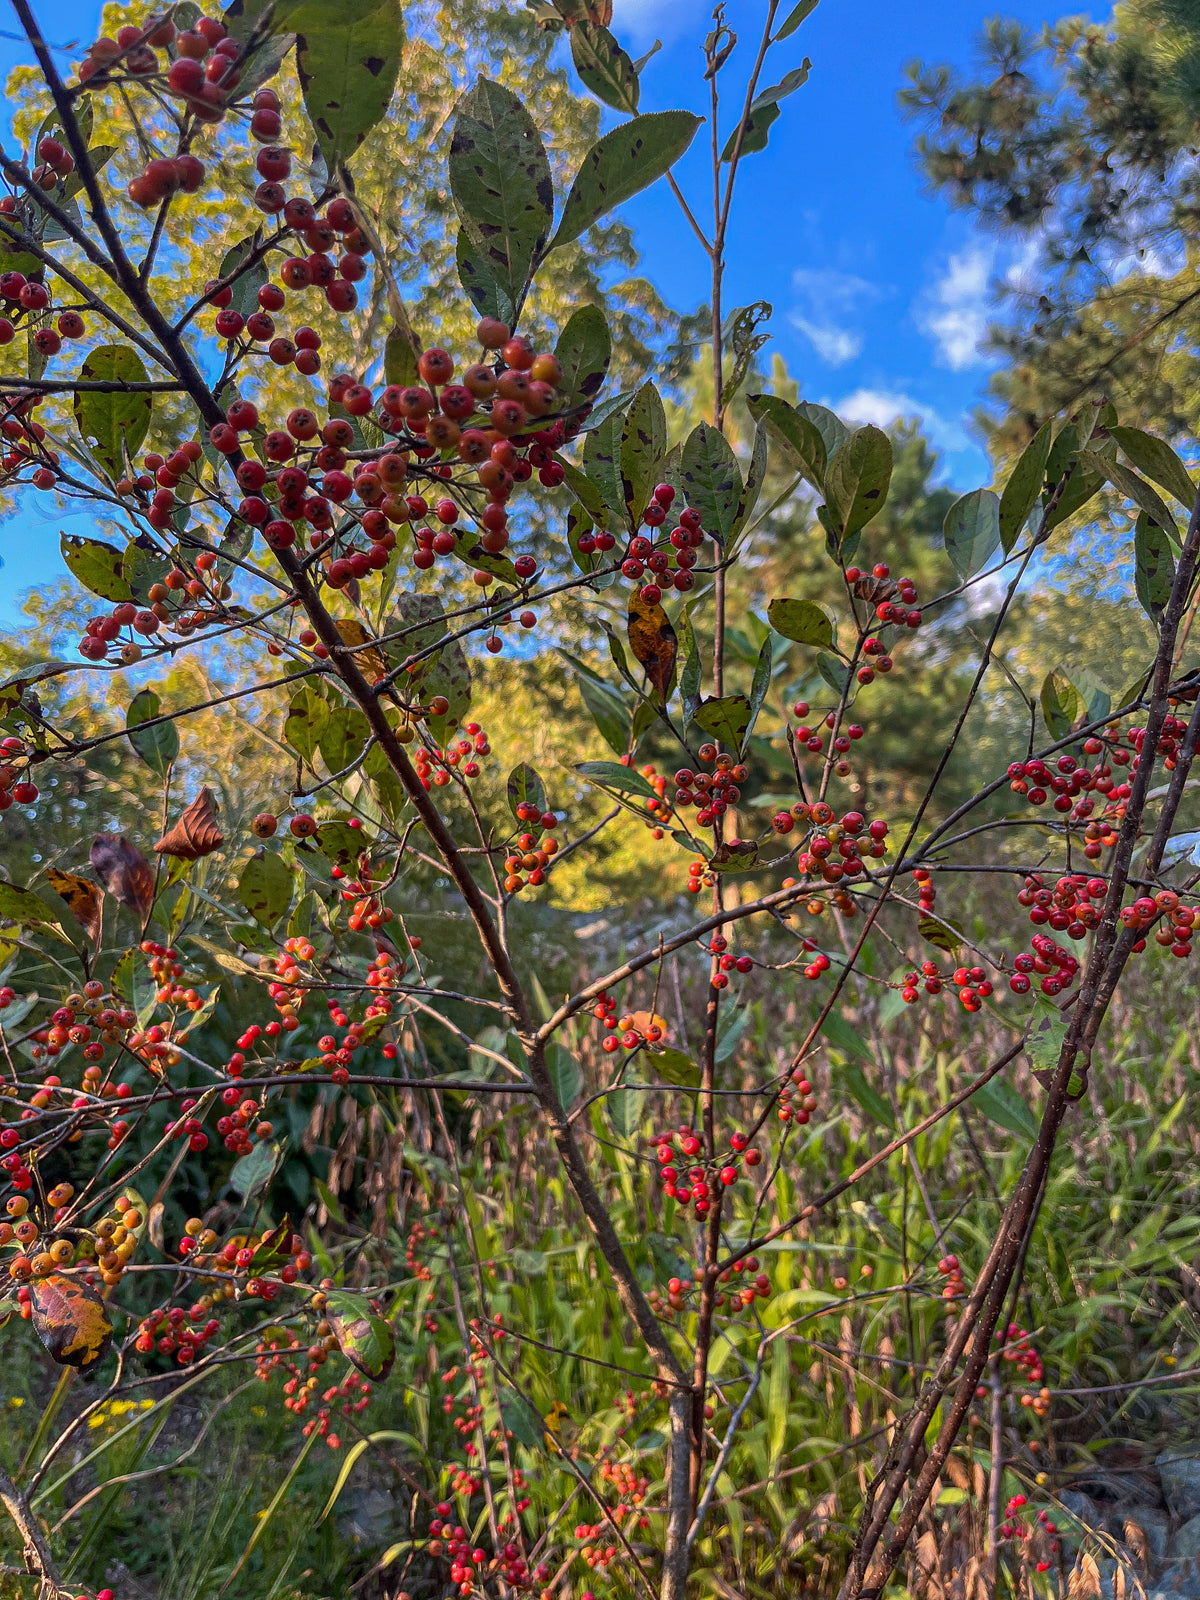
(883, 407)
(829, 311)
(954, 310)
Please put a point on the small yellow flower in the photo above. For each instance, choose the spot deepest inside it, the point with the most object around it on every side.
(258, 1411)
(16, 1400)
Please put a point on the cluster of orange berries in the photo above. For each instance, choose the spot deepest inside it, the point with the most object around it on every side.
(91, 1020)
(631, 1488)
(134, 54)
(164, 598)
(434, 767)
(972, 983)
(836, 848)
(797, 1102)
(367, 910)
(531, 856)
(1175, 921)
(35, 1257)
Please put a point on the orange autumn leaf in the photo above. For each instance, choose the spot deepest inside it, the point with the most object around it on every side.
(196, 833)
(652, 640)
(370, 661)
(84, 900)
(643, 1021)
(71, 1321)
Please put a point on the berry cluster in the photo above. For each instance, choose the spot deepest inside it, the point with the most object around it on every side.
(1014, 1527)
(972, 983)
(954, 1288)
(668, 559)
(16, 773)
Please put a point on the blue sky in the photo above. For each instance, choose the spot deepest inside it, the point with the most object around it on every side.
(880, 292)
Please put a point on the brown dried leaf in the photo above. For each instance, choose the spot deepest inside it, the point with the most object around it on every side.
(83, 897)
(652, 640)
(1084, 1581)
(196, 833)
(876, 590)
(371, 662)
(124, 872)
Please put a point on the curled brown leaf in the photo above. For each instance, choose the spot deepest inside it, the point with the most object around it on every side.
(196, 833)
(124, 872)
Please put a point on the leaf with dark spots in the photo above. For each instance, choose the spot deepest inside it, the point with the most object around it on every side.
(712, 480)
(726, 718)
(347, 68)
(643, 445)
(652, 640)
(124, 872)
(71, 1320)
(83, 898)
(734, 855)
(501, 182)
(196, 833)
(621, 164)
(363, 1336)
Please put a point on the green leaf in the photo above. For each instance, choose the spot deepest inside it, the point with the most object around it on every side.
(643, 445)
(612, 775)
(480, 283)
(755, 478)
(673, 1066)
(400, 357)
(712, 480)
(565, 1073)
(338, 842)
(245, 287)
(522, 1421)
(827, 423)
(1023, 487)
(1154, 573)
(851, 1076)
(345, 733)
(363, 1337)
(347, 65)
(604, 67)
(797, 435)
(856, 483)
(113, 424)
(621, 164)
(1157, 460)
(501, 182)
(1133, 488)
(448, 674)
(740, 331)
(1062, 704)
(793, 19)
(764, 111)
(941, 933)
(158, 746)
(524, 787)
(1044, 1042)
(624, 1109)
(972, 531)
(24, 907)
(801, 620)
(305, 722)
(761, 683)
(689, 681)
(583, 351)
(1001, 1102)
(602, 466)
(96, 565)
(834, 671)
(265, 887)
(726, 718)
(253, 1170)
(608, 710)
(843, 1037)
(1080, 487)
